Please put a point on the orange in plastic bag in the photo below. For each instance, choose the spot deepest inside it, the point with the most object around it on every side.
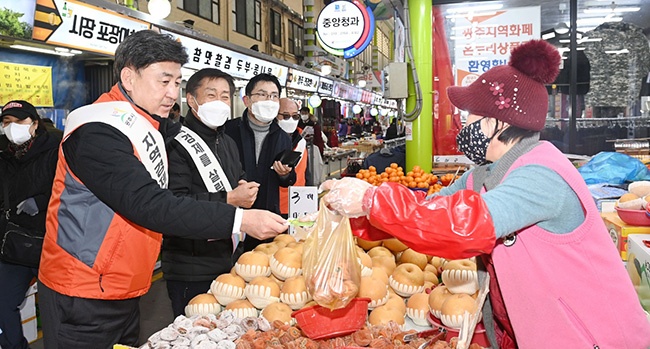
(330, 265)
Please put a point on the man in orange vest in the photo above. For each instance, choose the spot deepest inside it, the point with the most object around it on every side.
(288, 118)
(110, 203)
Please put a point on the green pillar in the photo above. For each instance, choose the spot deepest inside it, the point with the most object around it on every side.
(419, 150)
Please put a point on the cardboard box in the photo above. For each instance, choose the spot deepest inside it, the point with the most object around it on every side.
(32, 289)
(619, 231)
(30, 330)
(28, 308)
(638, 266)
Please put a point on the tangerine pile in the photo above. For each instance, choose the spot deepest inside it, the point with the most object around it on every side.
(415, 179)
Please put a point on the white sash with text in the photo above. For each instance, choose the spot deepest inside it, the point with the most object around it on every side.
(206, 162)
(146, 139)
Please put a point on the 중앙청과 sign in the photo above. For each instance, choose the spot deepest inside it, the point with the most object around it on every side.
(345, 28)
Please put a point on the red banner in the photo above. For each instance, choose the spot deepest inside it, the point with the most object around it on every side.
(446, 124)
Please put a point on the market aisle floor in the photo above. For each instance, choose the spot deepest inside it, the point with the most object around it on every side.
(155, 311)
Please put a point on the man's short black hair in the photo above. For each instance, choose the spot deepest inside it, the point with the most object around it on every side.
(210, 74)
(176, 107)
(259, 78)
(304, 109)
(145, 47)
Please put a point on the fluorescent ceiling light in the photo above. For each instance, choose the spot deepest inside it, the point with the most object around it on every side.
(615, 9)
(597, 20)
(42, 50)
(465, 9)
(617, 52)
(590, 40)
(580, 41)
(550, 35)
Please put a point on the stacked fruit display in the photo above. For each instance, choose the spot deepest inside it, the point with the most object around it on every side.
(414, 179)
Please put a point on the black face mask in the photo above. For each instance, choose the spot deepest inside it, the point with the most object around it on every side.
(473, 142)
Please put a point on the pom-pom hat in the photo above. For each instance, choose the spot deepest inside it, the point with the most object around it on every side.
(513, 93)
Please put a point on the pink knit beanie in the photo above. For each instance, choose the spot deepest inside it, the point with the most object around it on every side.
(513, 93)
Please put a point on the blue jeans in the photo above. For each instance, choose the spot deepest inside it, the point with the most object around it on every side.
(14, 282)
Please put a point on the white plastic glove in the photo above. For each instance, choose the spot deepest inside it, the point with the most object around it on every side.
(28, 206)
(346, 196)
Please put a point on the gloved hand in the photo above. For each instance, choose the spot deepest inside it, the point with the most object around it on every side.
(346, 196)
(28, 206)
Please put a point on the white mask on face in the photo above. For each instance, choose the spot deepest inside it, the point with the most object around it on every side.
(289, 125)
(265, 111)
(304, 117)
(214, 113)
(17, 133)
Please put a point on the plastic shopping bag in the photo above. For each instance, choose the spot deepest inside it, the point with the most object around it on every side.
(330, 265)
(613, 168)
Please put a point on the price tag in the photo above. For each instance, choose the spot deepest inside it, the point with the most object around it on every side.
(302, 200)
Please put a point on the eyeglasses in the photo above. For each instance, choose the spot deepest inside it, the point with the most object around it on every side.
(264, 95)
(286, 116)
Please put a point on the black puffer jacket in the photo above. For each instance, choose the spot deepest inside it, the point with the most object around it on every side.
(29, 176)
(276, 142)
(199, 260)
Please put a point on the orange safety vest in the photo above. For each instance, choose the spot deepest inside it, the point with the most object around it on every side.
(116, 258)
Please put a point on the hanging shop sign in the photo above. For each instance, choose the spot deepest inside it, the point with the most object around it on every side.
(339, 66)
(302, 81)
(205, 55)
(483, 42)
(325, 86)
(31, 83)
(345, 28)
(81, 26)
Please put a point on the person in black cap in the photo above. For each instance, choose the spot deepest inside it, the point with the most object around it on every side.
(27, 164)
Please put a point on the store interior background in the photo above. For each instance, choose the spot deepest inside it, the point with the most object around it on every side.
(590, 129)
(581, 132)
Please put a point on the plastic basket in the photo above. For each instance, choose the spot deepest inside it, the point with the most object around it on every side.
(633, 217)
(318, 322)
(480, 337)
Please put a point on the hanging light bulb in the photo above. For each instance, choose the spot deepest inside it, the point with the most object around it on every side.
(315, 101)
(373, 111)
(325, 69)
(159, 9)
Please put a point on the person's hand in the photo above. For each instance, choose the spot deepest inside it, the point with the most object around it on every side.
(28, 206)
(244, 195)
(346, 196)
(262, 224)
(281, 169)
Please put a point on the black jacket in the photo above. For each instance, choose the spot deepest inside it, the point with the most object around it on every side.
(102, 158)
(199, 260)
(276, 142)
(29, 176)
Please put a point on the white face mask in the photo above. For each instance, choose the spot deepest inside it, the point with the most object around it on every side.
(289, 125)
(17, 133)
(214, 113)
(265, 111)
(304, 117)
